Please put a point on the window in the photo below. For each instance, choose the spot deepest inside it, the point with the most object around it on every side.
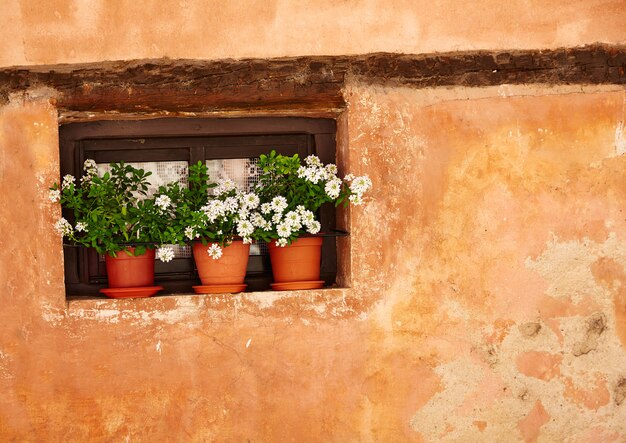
(167, 146)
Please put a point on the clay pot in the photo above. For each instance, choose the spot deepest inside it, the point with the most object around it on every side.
(229, 269)
(297, 262)
(130, 271)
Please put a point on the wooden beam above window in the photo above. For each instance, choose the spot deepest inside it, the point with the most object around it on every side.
(164, 85)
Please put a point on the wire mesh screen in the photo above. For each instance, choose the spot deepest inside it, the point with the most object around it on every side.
(245, 173)
(162, 174)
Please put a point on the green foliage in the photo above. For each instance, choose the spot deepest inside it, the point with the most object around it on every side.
(112, 211)
(291, 193)
(214, 218)
(280, 178)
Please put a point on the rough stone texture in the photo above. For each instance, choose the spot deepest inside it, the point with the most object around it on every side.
(75, 31)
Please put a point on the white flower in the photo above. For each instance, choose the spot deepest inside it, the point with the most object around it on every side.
(360, 184)
(163, 202)
(63, 227)
(276, 218)
(314, 227)
(68, 180)
(331, 169)
(257, 220)
(266, 208)
(214, 251)
(54, 195)
(282, 242)
(81, 227)
(231, 204)
(251, 200)
(190, 233)
(223, 187)
(313, 160)
(292, 219)
(165, 254)
(301, 172)
(283, 230)
(349, 177)
(243, 214)
(91, 168)
(279, 204)
(314, 175)
(90, 165)
(246, 240)
(333, 188)
(356, 199)
(245, 228)
(214, 209)
(307, 217)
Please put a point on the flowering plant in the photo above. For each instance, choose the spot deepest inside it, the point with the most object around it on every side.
(216, 213)
(113, 211)
(290, 194)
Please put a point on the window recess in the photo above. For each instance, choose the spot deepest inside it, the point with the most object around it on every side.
(167, 147)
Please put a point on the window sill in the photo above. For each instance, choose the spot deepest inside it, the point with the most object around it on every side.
(176, 308)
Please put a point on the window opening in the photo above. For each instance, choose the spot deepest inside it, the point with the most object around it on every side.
(166, 147)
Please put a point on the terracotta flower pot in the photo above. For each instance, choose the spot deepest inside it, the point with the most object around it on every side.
(229, 269)
(129, 271)
(297, 262)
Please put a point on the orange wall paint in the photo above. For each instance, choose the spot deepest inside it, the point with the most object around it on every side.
(493, 243)
(495, 232)
(72, 31)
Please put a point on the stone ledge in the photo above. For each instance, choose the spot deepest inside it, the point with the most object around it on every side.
(306, 304)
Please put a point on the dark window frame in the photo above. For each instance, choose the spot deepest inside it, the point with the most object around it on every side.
(191, 139)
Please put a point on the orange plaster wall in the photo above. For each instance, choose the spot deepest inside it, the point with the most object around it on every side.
(73, 31)
(487, 273)
(486, 300)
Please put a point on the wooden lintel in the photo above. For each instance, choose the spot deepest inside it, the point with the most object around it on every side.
(164, 85)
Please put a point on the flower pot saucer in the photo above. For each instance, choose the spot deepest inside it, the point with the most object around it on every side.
(296, 285)
(219, 289)
(138, 292)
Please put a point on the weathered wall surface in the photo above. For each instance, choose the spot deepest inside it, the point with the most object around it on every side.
(503, 316)
(487, 299)
(487, 274)
(72, 31)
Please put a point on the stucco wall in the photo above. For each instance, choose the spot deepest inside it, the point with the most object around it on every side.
(487, 273)
(486, 304)
(71, 31)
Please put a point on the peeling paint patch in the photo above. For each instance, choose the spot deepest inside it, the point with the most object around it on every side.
(591, 396)
(532, 423)
(541, 365)
(620, 139)
(596, 325)
(620, 391)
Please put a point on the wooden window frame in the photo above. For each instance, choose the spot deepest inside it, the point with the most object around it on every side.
(191, 139)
